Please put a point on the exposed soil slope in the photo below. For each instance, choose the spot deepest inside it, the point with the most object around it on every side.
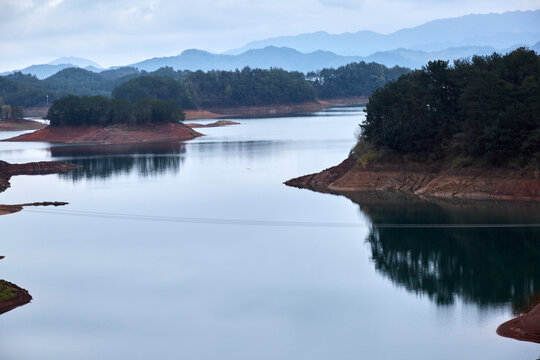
(115, 134)
(19, 125)
(525, 327)
(424, 180)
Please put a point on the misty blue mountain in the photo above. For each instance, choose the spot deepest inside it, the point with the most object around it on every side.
(43, 71)
(284, 58)
(444, 39)
(495, 30)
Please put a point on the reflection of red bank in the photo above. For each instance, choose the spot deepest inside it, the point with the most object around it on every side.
(525, 327)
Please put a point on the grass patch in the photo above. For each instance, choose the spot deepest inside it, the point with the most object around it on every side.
(7, 292)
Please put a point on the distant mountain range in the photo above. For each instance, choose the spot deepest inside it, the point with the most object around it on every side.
(76, 61)
(445, 39)
(291, 59)
(495, 30)
(43, 71)
(285, 58)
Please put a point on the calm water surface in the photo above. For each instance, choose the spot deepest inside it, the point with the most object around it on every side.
(111, 285)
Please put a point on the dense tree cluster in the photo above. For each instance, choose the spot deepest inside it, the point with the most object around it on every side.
(355, 79)
(11, 113)
(250, 87)
(26, 90)
(246, 87)
(99, 110)
(151, 87)
(21, 90)
(485, 109)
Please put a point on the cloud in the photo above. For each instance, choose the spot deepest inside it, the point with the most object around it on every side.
(115, 32)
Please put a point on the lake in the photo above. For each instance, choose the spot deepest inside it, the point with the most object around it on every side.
(197, 250)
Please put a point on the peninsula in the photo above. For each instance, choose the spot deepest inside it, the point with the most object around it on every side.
(450, 132)
(525, 327)
(20, 125)
(470, 131)
(12, 296)
(8, 170)
(424, 180)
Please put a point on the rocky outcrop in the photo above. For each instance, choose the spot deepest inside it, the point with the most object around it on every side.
(321, 181)
(525, 327)
(12, 296)
(10, 209)
(115, 134)
(428, 180)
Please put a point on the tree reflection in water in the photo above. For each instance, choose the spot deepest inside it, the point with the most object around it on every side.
(104, 161)
(486, 266)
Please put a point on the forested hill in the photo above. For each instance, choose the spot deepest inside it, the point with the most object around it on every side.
(248, 87)
(200, 89)
(20, 89)
(356, 79)
(482, 111)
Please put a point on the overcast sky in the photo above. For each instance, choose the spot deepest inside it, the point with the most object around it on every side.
(118, 32)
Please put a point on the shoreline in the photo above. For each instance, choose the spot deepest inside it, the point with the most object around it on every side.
(423, 180)
(129, 134)
(214, 124)
(247, 111)
(21, 125)
(383, 184)
(278, 110)
(8, 170)
(113, 134)
(14, 295)
(525, 327)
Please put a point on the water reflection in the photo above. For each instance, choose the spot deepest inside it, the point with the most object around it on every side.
(485, 266)
(105, 161)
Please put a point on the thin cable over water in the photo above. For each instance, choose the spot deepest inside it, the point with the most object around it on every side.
(253, 222)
